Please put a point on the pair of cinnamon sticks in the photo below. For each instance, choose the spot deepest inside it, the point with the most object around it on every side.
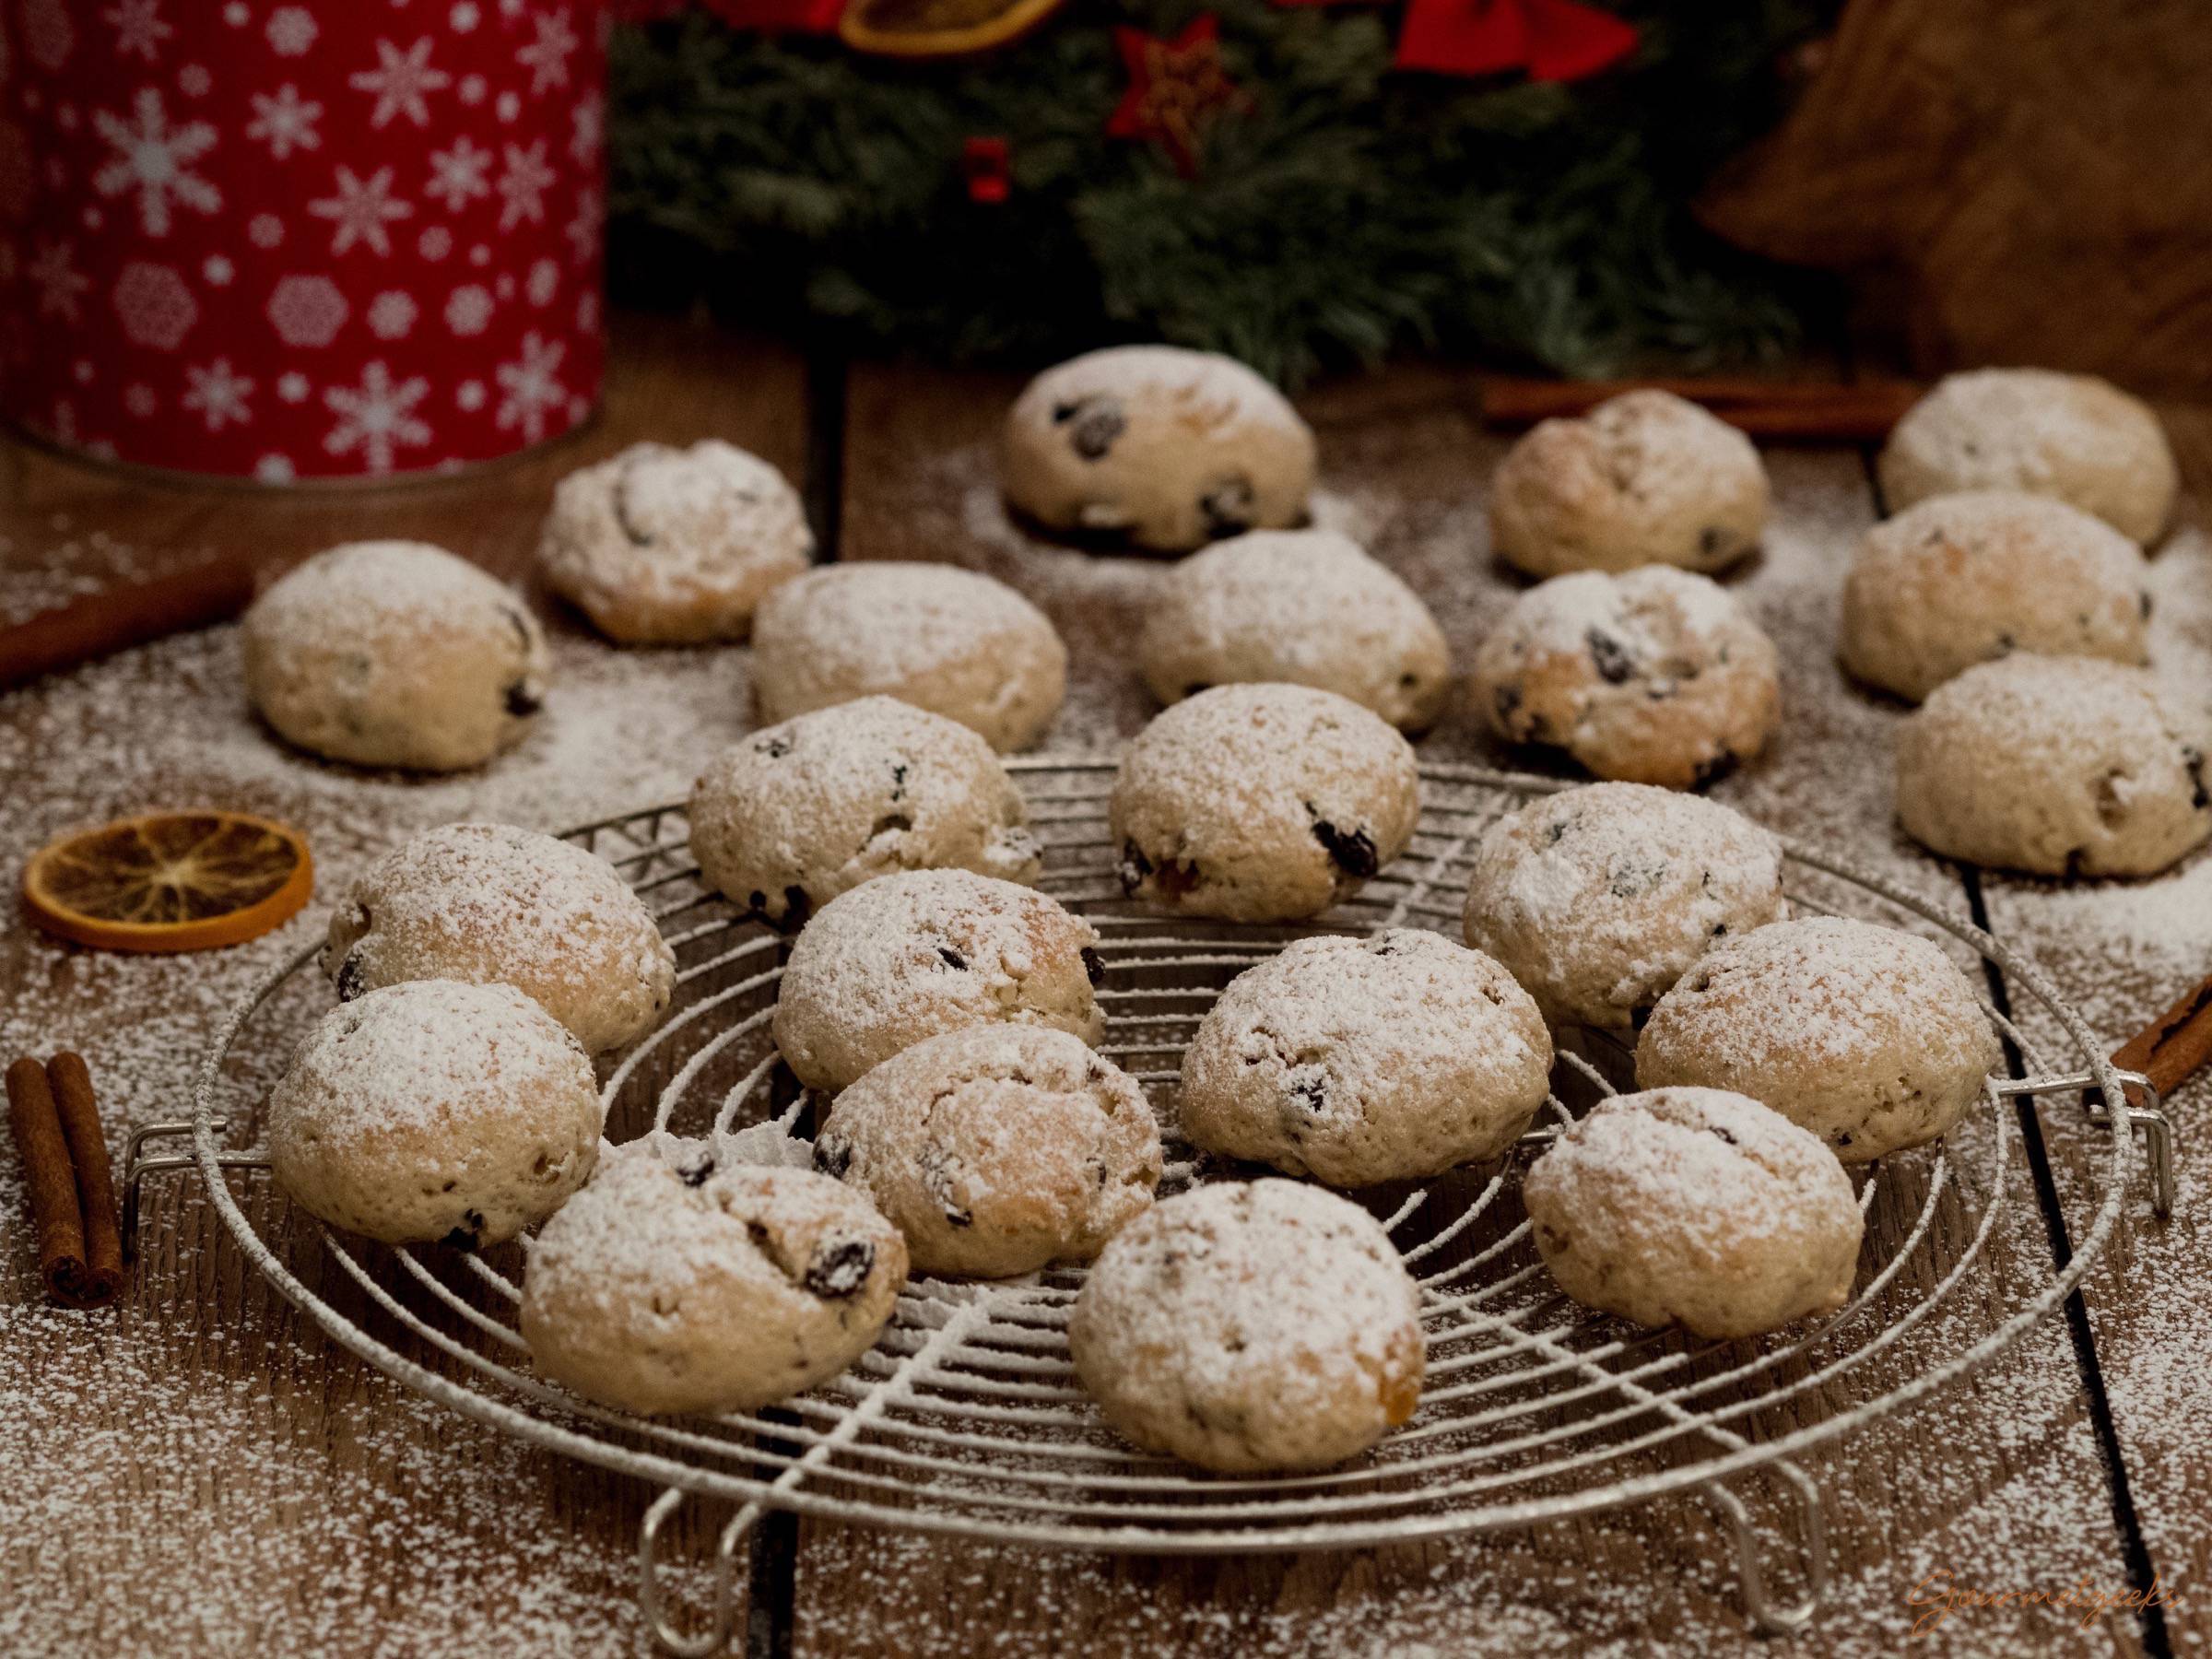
(1778, 411)
(57, 1126)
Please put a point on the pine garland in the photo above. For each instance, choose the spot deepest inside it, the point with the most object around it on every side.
(1344, 211)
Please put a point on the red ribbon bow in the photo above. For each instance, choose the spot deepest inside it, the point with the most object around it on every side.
(1553, 40)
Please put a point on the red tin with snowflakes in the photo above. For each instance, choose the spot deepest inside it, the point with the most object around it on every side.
(285, 240)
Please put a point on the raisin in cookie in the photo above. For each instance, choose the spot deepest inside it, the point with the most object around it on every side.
(669, 1284)
(1599, 898)
(1305, 606)
(1251, 1327)
(1867, 1037)
(661, 545)
(997, 1149)
(435, 1110)
(907, 956)
(1165, 447)
(1696, 1208)
(1646, 478)
(394, 654)
(786, 820)
(1262, 803)
(2062, 766)
(1655, 676)
(2072, 436)
(1357, 1061)
(492, 904)
(944, 638)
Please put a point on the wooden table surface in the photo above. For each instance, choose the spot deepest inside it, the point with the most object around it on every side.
(198, 1471)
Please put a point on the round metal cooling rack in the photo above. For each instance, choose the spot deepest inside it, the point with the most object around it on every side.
(966, 1420)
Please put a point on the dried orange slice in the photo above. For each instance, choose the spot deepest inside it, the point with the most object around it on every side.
(170, 881)
(923, 29)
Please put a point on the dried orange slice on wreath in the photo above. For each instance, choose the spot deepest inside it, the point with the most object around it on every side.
(170, 881)
(923, 29)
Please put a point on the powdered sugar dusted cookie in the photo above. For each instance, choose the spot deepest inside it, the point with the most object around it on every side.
(1657, 677)
(670, 1284)
(1646, 478)
(997, 1149)
(1867, 1037)
(1262, 803)
(1250, 1328)
(1305, 606)
(2072, 436)
(796, 814)
(1167, 447)
(1597, 899)
(944, 638)
(1357, 1061)
(492, 904)
(907, 956)
(1697, 1207)
(435, 1112)
(394, 654)
(665, 546)
(2062, 766)
(1965, 579)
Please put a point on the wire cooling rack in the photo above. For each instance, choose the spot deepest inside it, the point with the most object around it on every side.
(966, 1420)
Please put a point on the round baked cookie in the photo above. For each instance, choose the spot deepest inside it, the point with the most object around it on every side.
(492, 904)
(1867, 1037)
(1597, 899)
(1697, 1207)
(1655, 676)
(2062, 766)
(2072, 436)
(435, 1112)
(670, 1284)
(1248, 1327)
(661, 545)
(1361, 1060)
(944, 638)
(1305, 606)
(1645, 478)
(394, 654)
(796, 814)
(907, 956)
(997, 1149)
(1263, 803)
(1165, 447)
(1968, 578)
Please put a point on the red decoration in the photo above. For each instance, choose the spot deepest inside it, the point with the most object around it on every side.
(1553, 40)
(986, 163)
(277, 239)
(1176, 88)
(780, 16)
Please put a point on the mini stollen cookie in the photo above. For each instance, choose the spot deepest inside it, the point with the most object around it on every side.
(2072, 436)
(1969, 577)
(1262, 803)
(2062, 766)
(1646, 478)
(660, 545)
(796, 814)
(1867, 1037)
(1655, 676)
(1599, 898)
(435, 1110)
(1357, 1061)
(394, 654)
(1251, 1327)
(942, 637)
(997, 1149)
(670, 1284)
(1697, 1207)
(1165, 447)
(906, 957)
(492, 904)
(1305, 606)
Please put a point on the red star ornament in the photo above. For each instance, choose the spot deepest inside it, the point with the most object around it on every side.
(1176, 88)
(1553, 40)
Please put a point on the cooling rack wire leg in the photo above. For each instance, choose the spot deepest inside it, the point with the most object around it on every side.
(138, 1163)
(666, 1636)
(1758, 1603)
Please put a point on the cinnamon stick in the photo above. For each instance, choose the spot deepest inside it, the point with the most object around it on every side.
(1804, 411)
(2170, 1048)
(130, 614)
(57, 1224)
(71, 1080)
